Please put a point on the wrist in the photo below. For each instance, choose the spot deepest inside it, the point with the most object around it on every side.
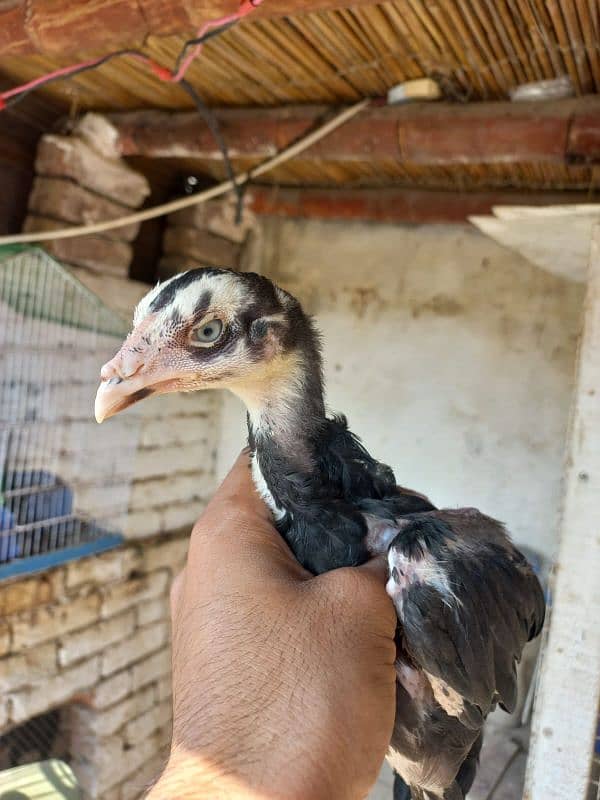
(190, 777)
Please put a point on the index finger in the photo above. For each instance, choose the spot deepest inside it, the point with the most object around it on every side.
(237, 530)
(238, 490)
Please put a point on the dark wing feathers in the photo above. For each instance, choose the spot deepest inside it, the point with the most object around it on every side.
(468, 605)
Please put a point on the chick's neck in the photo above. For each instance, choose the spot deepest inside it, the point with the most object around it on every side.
(286, 409)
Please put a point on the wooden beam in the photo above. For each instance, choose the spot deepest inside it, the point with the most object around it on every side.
(422, 133)
(68, 28)
(566, 713)
(392, 205)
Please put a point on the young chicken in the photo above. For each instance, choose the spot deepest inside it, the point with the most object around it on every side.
(466, 598)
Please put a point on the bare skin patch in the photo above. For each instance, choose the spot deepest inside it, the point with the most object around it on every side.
(449, 699)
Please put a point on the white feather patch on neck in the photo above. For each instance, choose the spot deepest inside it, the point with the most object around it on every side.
(263, 490)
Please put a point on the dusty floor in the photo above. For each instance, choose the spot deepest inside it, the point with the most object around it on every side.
(501, 773)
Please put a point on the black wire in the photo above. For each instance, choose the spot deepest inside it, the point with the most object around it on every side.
(206, 114)
(201, 40)
(11, 101)
(213, 125)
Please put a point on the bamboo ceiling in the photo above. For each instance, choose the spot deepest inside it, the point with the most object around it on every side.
(476, 49)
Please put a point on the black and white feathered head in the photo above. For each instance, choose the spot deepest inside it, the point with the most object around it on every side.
(214, 328)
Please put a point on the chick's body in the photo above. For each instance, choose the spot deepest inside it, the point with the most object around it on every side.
(466, 598)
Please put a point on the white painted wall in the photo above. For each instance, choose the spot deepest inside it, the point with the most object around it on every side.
(452, 357)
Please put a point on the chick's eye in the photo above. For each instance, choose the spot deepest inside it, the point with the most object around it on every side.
(207, 333)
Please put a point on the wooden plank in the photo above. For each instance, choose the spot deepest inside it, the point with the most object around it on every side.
(420, 133)
(566, 712)
(86, 27)
(391, 205)
(584, 138)
(555, 238)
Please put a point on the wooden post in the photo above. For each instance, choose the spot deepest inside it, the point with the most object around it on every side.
(566, 714)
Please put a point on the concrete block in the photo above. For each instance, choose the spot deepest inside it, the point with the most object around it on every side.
(142, 523)
(98, 750)
(113, 763)
(120, 596)
(111, 690)
(152, 669)
(30, 668)
(170, 554)
(105, 722)
(177, 431)
(154, 462)
(180, 404)
(50, 622)
(99, 133)
(181, 515)
(58, 689)
(164, 689)
(94, 251)
(177, 488)
(25, 593)
(218, 217)
(206, 248)
(143, 642)
(67, 201)
(103, 569)
(5, 638)
(70, 157)
(170, 518)
(104, 500)
(99, 764)
(153, 611)
(139, 728)
(81, 644)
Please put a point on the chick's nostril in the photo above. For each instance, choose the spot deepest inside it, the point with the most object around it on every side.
(109, 372)
(122, 366)
(130, 364)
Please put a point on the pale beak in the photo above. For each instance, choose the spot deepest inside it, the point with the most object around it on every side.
(117, 394)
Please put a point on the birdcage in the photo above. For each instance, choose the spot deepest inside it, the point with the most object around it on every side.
(64, 481)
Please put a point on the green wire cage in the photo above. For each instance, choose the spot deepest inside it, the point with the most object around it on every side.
(64, 481)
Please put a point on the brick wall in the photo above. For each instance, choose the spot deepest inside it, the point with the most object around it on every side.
(174, 469)
(94, 635)
(209, 234)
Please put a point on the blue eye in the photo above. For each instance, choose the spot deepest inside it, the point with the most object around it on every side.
(207, 333)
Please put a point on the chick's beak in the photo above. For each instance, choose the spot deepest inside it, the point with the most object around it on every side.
(117, 394)
(128, 377)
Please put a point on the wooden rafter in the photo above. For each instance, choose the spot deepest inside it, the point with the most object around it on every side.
(83, 27)
(393, 205)
(437, 134)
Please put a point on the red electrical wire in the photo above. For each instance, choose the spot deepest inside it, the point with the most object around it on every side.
(165, 74)
(245, 8)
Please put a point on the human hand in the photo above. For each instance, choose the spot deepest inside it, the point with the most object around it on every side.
(283, 683)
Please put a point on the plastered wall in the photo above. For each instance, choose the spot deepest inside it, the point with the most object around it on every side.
(452, 357)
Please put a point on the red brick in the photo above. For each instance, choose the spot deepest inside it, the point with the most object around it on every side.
(65, 200)
(70, 157)
(205, 247)
(93, 251)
